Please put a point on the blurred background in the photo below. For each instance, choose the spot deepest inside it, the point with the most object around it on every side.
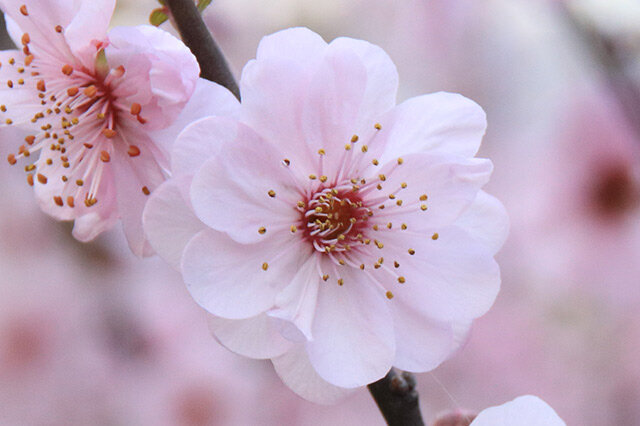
(89, 335)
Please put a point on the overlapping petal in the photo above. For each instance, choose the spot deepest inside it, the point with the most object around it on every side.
(169, 221)
(525, 410)
(256, 337)
(353, 342)
(232, 193)
(446, 123)
(230, 279)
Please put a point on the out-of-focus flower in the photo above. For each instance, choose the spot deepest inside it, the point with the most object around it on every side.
(97, 107)
(327, 228)
(525, 410)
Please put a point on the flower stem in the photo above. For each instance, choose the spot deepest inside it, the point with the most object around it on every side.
(397, 399)
(196, 35)
(5, 40)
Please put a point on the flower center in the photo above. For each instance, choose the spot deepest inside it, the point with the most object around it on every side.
(78, 116)
(334, 219)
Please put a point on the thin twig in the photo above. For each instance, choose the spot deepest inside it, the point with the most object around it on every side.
(397, 399)
(196, 35)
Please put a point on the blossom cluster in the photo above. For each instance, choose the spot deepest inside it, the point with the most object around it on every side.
(319, 223)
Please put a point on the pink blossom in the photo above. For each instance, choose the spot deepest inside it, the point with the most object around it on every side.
(525, 410)
(97, 107)
(327, 228)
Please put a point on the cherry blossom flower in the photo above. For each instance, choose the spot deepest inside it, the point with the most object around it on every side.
(327, 228)
(525, 410)
(97, 107)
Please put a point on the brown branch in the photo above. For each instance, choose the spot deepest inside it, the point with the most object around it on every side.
(397, 399)
(196, 35)
(5, 40)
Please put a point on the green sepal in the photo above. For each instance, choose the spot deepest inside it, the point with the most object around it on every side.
(158, 17)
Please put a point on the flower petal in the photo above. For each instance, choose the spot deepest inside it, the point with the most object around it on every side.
(230, 192)
(353, 342)
(169, 221)
(272, 102)
(208, 99)
(527, 410)
(300, 45)
(382, 78)
(296, 371)
(330, 115)
(201, 141)
(228, 279)
(161, 72)
(452, 278)
(90, 22)
(430, 191)
(421, 342)
(18, 99)
(486, 220)
(256, 337)
(135, 178)
(441, 122)
(296, 304)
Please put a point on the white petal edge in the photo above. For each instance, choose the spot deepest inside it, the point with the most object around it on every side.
(527, 410)
(298, 374)
(169, 221)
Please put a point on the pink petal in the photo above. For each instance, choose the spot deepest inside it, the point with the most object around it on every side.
(132, 176)
(169, 221)
(486, 220)
(89, 225)
(525, 410)
(296, 371)
(296, 304)
(207, 99)
(18, 100)
(452, 278)
(353, 342)
(445, 123)
(332, 105)
(230, 192)
(201, 141)
(256, 337)
(300, 45)
(382, 78)
(161, 72)
(421, 343)
(90, 22)
(272, 101)
(228, 280)
(449, 183)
